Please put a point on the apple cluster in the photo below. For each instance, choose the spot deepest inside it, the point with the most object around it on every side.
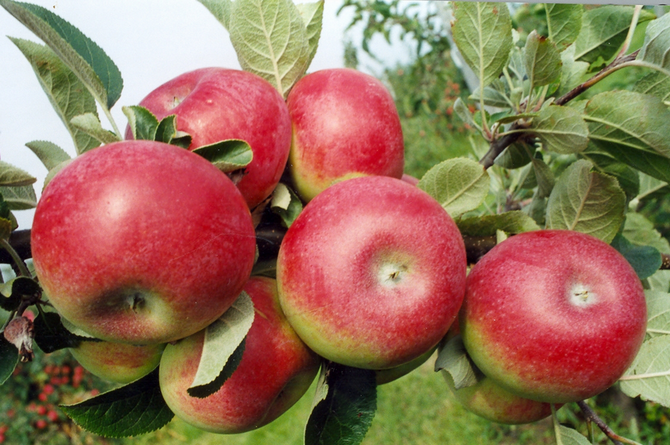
(143, 245)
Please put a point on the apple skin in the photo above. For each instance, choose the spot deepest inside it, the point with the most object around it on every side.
(372, 273)
(345, 124)
(275, 371)
(117, 362)
(142, 242)
(553, 315)
(385, 376)
(214, 104)
(489, 400)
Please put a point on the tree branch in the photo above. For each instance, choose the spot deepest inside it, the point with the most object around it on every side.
(591, 416)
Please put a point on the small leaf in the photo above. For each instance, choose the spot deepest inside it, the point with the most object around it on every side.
(564, 21)
(483, 34)
(464, 113)
(542, 60)
(142, 122)
(453, 358)
(19, 198)
(167, 132)
(270, 39)
(286, 204)
(9, 358)
(312, 15)
(494, 96)
(658, 313)
(67, 94)
(515, 156)
(90, 124)
(458, 184)
(646, 260)
(569, 436)
(11, 176)
(345, 404)
(544, 177)
(49, 153)
(649, 375)
(222, 341)
(587, 202)
(83, 56)
(130, 410)
(228, 155)
(561, 129)
(509, 222)
(219, 9)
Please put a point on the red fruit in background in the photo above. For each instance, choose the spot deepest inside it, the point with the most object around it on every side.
(345, 124)
(142, 242)
(554, 316)
(372, 273)
(214, 104)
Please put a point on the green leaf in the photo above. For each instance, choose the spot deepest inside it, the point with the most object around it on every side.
(564, 21)
(271, 40)
(130, 410)
(11, 176)
(464, 113)
(494, 96)
(142, 122)
(649, 375)
(312, 16)
(544, 177)
(286, 204)
(569, 436)
(639, 230)
(542, 60)
(344, 406)
(219, 9)
(658, 313)
(51, 334)
(90, 124)
(572, 71)
(509, 222)
(458, 184)
(646, 260)
(656, 46)
(483, 34)
(83, 56)
(587, 202)
(228, 155)
(452, 358)
(67, 94)
(515, 156)
(19, 198)
(561, 129)
(223, 339)
(167, 132)
(650, 187)
(656, 84)
(9, 358)
(604, 30)
(49, 153)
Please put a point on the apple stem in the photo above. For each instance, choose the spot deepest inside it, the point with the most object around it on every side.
(591, 416)
(23, 269)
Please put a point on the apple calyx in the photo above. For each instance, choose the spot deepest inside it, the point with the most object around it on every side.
(391, 274)
(20, 332)
(581, 296)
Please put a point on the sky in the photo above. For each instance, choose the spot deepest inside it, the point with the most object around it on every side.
(151, 41)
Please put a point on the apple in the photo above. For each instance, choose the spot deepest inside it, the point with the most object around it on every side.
(410, 179)
(372, 273)
(214, 104)
(553, 315)
(489, 400)
(117, 362)
(142, 242)
(345, 124)
(275, 371)
(384, 376)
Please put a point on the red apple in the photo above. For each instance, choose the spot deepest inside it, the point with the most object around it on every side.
(275, 371)
(372, 273)
(214, 104)
(117, 362)
(554, 316)
(142, 242)
(389, 375)
(345, 124)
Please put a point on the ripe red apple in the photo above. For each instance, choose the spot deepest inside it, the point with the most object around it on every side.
(554, 316)
(345, 124)
(275, 371)
(142, 242)
(117, 362)
(214, 104)
(372, 273)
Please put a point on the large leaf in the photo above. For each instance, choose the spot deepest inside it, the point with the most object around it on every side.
(542, 60)
(572, 71)
(564, 21)
(649, 375)
(656, 47)
(130, 410)
(222, 339)
(561, 129)
(645, 260)
(83, 56)
(654, 83)
(483, 34)
(569, 436)
(658, 313)
(344, 406)
(271, 40)
(19, 198)
(312, 15)
(603, 31)
(587, 202)
(12, 176)
(65, 91)
(459, 184)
